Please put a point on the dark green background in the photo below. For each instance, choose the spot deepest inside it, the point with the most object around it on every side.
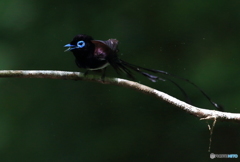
(70, 121)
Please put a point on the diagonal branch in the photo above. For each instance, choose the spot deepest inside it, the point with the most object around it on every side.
(201, 113)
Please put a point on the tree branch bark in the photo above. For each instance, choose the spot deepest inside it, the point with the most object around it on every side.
(201, 113)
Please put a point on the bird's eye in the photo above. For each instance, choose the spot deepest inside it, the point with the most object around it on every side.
(80, 44)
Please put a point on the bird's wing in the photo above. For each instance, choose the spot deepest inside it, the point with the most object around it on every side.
(111, 43)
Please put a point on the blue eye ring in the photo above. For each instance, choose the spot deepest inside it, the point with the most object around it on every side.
(80, 44)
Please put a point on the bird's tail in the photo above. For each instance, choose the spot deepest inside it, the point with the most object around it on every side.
(125, 66)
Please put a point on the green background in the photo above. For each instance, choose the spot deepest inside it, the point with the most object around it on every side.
(69, 121)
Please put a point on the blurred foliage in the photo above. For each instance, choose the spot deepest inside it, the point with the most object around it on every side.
(59, 120)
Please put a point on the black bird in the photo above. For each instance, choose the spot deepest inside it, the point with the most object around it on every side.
(93, 54)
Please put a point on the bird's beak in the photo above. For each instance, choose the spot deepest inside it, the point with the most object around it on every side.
(70, 47)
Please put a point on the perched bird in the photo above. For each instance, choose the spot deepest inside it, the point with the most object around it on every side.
(93, 54)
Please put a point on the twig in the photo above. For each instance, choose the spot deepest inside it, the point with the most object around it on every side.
(201, 113)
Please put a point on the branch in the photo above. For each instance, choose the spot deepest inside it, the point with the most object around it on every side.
(203, 114)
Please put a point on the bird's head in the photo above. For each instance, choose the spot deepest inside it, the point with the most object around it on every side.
(80, 43)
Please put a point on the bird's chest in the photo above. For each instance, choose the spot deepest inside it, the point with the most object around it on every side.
(91, 62)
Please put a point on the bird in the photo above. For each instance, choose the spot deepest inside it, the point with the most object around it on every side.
(95, 55)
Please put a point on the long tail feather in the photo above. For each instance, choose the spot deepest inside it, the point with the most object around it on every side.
(155, 78)
(123, 66)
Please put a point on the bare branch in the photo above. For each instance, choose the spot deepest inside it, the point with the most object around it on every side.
(201, 113)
